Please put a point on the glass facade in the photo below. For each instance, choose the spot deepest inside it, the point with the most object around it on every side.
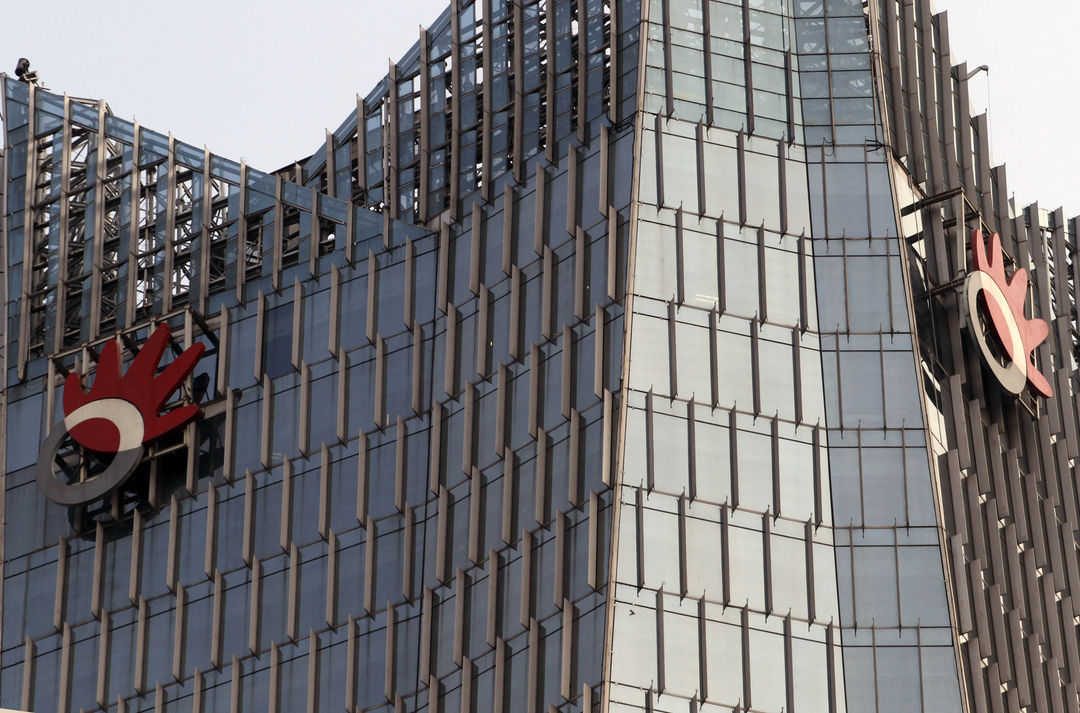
(549, 384)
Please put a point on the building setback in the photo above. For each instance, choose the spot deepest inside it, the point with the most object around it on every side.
(608, 357)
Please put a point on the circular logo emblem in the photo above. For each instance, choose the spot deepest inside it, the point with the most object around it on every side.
(995, 307)
(115, 420)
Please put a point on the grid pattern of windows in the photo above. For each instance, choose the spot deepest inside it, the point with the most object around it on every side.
(778, 541)
(406, 459)
(398, 497)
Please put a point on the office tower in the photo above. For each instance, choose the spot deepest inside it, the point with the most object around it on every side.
(607, 357)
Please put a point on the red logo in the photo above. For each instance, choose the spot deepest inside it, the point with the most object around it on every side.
(1000, 302)
(117, 417)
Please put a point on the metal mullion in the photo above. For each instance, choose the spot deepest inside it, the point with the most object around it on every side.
(64, 683)
(804, 310)
(699, 136)
(745, 649)
(425, 124)
(661, 663)
(808, 555)
(740, 158)
(101, 691)
(390, 141)
(468, 439)
(286, 517)
(604, 202)
(789, 663)
(361, 146)
(915, 80)
(60, 592)
(456, 99)
(170, 227)
(714, 371)
(567, 650)
(264, 417)
(204, 241)
(650, 463)
(782, 182)
(733, 456)
(789, 96)
(599, 350)
(275, 679)
(441, 536)
(967, 173)
(324, 492)
(303, 428)
(241, 237)
(612, 275)
(830, 665)
(763, 302)
(658, 136)
(540, 210)
(706, 40)
(593, 576)
(549, 83)
(371, 302)
(572, 177)
(948, 127)
(985, 191)
(1001, 207)
(476, 247)
(248, 538)
(935, 180)
(580, 258)
(747, 67)
(900, 141)
(172, 550)
(755, 367)
(916, 153)
(540, 473)
(508, 237)
(315, 235)
(62, 251)
(775, 442)
(467, 681)
(574, 459)
(277, 248)
(139, 682)
(178, 634)
(28, 219)
(29, 659)
(135, 562)
(548, 307)
(796, 361)
(582, 70)
(292, 597)
(613, 69)
(362, 478)
(519, 92)
(485, 99)
(669, 82)
(683, 574)
(673, 354)
(400, 457)
(99, 226)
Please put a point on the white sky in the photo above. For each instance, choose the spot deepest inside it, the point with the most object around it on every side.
(261, 79)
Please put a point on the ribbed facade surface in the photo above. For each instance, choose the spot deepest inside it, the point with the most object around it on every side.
(608, 357)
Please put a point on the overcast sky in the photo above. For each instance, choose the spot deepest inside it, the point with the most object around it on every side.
(262, 79)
